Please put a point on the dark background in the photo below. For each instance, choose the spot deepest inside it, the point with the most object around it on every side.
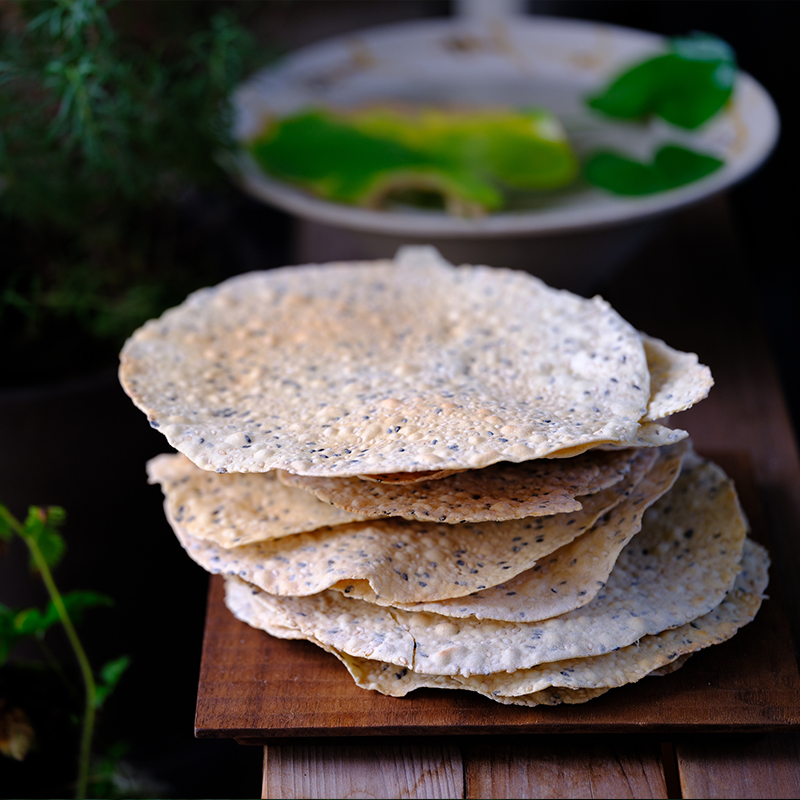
(87, 452)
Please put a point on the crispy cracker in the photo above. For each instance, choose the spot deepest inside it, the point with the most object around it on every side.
(401, 560)
(649, 434)
(678, 568)
(234, 510)
(400, 365)
(409, 477)
(571, 576)
(499, 492)
(565, 681)
(677, 380)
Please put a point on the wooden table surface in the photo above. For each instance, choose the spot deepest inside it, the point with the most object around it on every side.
(729, 725)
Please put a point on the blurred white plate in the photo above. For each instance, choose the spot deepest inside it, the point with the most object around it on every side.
(575, 236)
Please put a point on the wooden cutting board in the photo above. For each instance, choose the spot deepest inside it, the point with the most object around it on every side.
(256, 688)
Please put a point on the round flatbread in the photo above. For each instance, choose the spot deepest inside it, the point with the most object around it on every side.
(387, 366)
(238, 509)
(678, 568)
(400, 560)
(571, 576)
(499, 492)
(568, 681)
(677, 380)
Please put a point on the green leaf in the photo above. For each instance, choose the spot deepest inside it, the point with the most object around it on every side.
(78, 601)
(686, 87)
(694, 92)
(630, 95)
(40, 527)
(672, 166)
(699, 46)
(621, 175)
(680, 165)
(56, 515)
(31, 621)
(110, 675)
(18, 624)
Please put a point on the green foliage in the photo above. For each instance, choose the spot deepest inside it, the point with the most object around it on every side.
(114, 120)
(41, 528)
(672, 166)
(39, 531)
(109, 676)
(471, 160)
(104, 126)
(18, 624)
(686, 86)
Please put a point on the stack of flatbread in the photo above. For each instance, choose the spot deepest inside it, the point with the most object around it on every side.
(445, 476)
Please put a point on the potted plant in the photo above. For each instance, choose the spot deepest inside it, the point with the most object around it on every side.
(113, 206)
(111, 120)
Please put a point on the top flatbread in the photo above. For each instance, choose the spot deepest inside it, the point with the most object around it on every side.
(677, 380)
(388, 366)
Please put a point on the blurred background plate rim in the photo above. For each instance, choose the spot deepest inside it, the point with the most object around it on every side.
(289, 86)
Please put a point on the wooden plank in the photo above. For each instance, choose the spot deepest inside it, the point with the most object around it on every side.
(254, 687)
(565, 767)
(356, 767)
(745, 767)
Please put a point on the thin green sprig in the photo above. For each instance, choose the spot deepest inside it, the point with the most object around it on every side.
(46, 547)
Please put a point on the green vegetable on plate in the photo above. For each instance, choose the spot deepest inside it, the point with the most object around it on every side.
(471, 162)
(672, 166)
(686, 86)
(462, 160)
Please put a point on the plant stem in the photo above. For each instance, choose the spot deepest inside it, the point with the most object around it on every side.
(84, 756)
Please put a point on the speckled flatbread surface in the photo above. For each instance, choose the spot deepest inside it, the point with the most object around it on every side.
(578, 678)
(237, 509)
(386, 366)
(677, 380)
(678, 568)
(565, 681)
(399, 560)
(499, 492)
(571, 576)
